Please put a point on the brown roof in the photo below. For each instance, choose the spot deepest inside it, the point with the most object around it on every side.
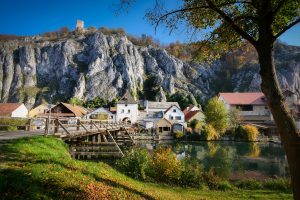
(6, 109)
(191, 114)
(77, 110)
(247, 98)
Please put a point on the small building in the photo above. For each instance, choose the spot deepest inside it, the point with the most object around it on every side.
(39, 110)
(127, 109)
(174, 114)
(101, 114)
(163, 127)
(252, 106)
(13, 110)
(67, 110)
(196, 114)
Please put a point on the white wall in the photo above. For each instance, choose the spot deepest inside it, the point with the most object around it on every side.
(99, 111)
(21, 112)
(123, 112)
(173, 113)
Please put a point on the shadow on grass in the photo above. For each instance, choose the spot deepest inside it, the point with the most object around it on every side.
(17, 184)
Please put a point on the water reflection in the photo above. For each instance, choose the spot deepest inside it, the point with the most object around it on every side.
(233, 160)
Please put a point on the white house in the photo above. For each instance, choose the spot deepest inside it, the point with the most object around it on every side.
(101, 114)
(13, 110)
(252, 106)
(174, 114)
(127, 109)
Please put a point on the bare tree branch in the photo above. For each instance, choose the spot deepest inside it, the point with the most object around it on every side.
(238, 29)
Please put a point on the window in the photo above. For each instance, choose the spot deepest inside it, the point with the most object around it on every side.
(171, 117)
(245, 107)
(166, 128)
(160, 129)
(174, 110)
(178, 117)
(128, 110)
(122, 111)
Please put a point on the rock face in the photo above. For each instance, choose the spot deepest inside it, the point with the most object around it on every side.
(107, 65)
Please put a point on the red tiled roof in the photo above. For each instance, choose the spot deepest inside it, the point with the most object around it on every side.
(190, 114)
(6, 109)
(247, 98)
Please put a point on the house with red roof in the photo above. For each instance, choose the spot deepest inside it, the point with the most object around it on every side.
(13, 110)
(252, 106)
(193, 112)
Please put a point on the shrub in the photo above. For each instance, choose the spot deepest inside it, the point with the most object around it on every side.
(178, 134)
(246, 132)
(135, 163)
(8, 128)
(165, 165)
(249, 184)
(251, 132)
(196, 125)
(209, 133)
(277, 184)
(13, 121)
(225, 185)
(211, 179)
(192, 174)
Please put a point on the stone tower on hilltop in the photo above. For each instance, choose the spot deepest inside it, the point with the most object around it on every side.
(79, 25)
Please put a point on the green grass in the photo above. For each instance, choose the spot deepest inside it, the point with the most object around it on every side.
(41, 168)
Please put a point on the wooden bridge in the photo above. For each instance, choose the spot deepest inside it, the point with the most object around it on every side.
(92, 139)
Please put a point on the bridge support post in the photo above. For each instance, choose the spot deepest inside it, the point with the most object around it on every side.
(56, 126)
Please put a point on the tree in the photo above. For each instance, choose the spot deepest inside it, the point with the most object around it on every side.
(216, 115)
(75, 101)
(183, 99)
(260, 22)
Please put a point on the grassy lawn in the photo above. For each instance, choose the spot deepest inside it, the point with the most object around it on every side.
(41, 168)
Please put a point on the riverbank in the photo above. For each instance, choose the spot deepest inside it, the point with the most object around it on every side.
(41, 168)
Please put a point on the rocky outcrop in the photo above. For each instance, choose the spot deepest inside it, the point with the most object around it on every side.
(101, 65)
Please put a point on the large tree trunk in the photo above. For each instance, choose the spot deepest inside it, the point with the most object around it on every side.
(283, 119)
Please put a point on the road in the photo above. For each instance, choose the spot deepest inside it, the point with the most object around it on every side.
(5, 135)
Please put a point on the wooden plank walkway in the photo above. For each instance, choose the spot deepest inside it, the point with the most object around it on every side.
(92, 139)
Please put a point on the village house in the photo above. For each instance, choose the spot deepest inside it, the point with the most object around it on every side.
(175, 115)
(101, 114)
(39, 110)
(193, 112)
(252, 106)
(13, 110)
(67, 110)
(127, 109)
(163, 127)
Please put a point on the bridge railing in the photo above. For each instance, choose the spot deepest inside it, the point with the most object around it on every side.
(71, 126)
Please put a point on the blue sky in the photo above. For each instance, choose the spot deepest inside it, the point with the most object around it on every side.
(29, 17)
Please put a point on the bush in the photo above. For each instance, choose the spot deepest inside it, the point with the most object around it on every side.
(209, 133)
(246, 132)
(277, 184)
(178, 134)
(192, 174)
(135, 163)
(165, 166)
(224, 186)
(196, 125)
(13, 121)
(211, 179)
(8, 128)
(249, 184)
